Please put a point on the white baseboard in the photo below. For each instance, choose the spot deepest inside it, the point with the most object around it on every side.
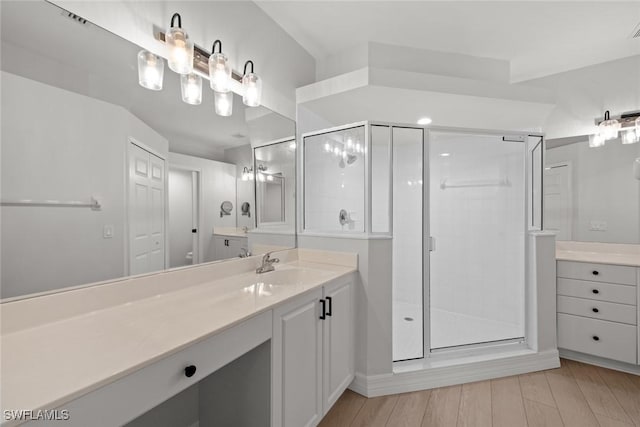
(600, 361)
(441, 376)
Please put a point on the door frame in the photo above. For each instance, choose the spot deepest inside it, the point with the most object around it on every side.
(198, 248)
(127, 194)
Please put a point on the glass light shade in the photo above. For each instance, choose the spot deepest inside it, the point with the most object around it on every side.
(180, 50)
(608, 129)
(219, 72)
(223, 103)
(638, 127)
(191, 86)
(630, 137)
(150, 70)
(252, 90)
(596, 141)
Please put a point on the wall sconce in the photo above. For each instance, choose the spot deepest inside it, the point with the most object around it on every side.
(608, 128)
(631, 136)
(252, 87)
(191, 87)
(219, 69)
(596, 141)
(180, 47)
(223, 103)
(247, 174)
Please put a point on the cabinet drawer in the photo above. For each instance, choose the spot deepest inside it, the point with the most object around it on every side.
(623, 294)
(597, 337)
(597, 309)
(597, 272)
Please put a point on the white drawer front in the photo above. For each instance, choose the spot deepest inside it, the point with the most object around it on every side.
(597, 309)
(623, 294)
(597, 272)
(614, 340)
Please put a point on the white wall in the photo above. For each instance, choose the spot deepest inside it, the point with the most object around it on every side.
(583, 95)
(180, 197)
(218, 184)
(245, 30)
(603, 189)
(242, 157)
(58, 145)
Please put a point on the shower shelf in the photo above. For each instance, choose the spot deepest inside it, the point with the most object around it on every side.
(464, 184)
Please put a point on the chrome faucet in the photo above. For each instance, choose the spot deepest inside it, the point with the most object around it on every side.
(244, 253)
(267, 263)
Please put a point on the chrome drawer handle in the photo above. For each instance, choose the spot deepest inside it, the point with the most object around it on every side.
(596, 338)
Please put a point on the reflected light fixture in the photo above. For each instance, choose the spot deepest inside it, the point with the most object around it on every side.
(425, 121)
(630, 136)
(247, 174)
(251, 87)
(596, 141)
(150, 70)
(219, 69)
(609, 127)
(180, 48)
(223, 103)
(191, 87)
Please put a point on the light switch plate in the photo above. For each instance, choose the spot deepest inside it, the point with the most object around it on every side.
(107, 231)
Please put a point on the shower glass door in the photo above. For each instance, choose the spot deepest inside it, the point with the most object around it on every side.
(477, 202)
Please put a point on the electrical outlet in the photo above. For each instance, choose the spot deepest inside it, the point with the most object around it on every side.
(598, 225)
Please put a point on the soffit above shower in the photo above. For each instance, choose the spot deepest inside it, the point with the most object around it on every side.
(536, 38)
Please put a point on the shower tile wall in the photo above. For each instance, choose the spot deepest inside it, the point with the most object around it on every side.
(333, 183)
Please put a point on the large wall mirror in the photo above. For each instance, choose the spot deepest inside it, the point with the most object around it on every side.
(102, 178)
(592, 194)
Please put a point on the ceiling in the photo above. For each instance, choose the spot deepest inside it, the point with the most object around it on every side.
(42, 43)
(538, 38)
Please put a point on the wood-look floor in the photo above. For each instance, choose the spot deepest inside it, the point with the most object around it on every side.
(575, 394)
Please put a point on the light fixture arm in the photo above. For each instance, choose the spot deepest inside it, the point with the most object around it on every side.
(245, 67)
(607, 115)
(173, 18)
(219, 44)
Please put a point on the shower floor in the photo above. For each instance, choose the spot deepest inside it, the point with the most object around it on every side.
(450, 329)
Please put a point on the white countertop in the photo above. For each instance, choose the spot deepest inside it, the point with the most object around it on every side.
(47, 365)
(599, 253)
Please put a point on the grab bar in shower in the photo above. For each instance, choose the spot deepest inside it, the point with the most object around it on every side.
(486, 183)
(94, 204)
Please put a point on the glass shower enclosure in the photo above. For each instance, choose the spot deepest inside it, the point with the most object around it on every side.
(458, 206)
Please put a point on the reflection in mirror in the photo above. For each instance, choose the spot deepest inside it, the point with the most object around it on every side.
(592, 194)
(273, 171)
(102, 178)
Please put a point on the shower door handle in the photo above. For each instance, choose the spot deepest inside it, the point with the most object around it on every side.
(432, 244)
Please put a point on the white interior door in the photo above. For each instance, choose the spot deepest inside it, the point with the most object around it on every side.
(557, 200)
(146, 211)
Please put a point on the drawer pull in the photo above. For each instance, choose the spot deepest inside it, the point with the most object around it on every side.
(595, 310)
(596, 338)
(595, 291)
(595, 272)
(190, 370)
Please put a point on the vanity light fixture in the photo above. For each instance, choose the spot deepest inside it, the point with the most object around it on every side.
(223, 103)
(596, 141)
(219, 69)
(191, 87)
(247, 174)
(150, 70)
(252, 87)
(180, 48)
(608, 128)
(630, 136)
(425, 121)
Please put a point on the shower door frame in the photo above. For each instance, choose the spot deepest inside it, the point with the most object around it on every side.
(469, 349)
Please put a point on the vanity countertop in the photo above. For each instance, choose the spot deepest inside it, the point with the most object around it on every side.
(599, 253)
(49, 364)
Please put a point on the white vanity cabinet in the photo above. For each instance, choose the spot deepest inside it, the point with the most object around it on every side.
(312, 354)
(598, 310)
(226, 247)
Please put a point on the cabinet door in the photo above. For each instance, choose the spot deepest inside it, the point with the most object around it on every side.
(338, 369)
(220, 249)
(297, 362)
(235, 243)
